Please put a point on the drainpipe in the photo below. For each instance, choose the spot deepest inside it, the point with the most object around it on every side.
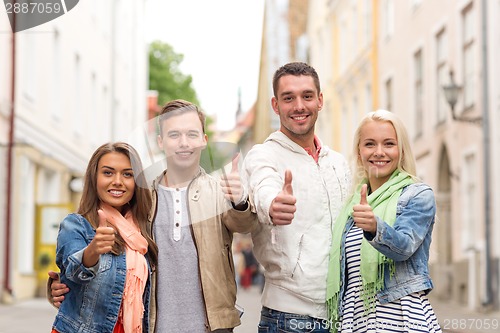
(8, 211)
(490, 298)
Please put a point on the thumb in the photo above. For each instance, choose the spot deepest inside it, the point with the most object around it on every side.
(234, 164)
(363, 200)
(287, 186)
(53, 275)
(102, 218)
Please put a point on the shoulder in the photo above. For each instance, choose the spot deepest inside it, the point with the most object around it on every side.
(75, 222)
(332, 155)
(419, 194)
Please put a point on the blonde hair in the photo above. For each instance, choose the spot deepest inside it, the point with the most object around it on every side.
(406, 159)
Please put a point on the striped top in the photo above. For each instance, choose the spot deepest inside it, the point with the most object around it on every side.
(411, 313)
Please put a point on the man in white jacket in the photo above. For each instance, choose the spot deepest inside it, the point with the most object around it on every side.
(297, 186)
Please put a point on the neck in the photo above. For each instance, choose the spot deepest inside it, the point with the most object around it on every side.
(303, 140)
(174, 178)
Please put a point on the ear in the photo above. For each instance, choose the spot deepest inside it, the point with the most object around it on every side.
(205, 141)
(274, 103)
(320, 101)
(159, 141)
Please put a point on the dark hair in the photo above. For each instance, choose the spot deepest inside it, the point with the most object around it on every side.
(297, 69)
(140, 204)
(176, 107)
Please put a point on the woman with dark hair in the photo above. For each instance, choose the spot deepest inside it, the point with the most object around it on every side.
(105, 251)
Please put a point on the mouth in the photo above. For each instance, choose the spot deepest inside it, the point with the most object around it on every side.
(300, 117)
(116, 193)
(380, 163)
(184, 153)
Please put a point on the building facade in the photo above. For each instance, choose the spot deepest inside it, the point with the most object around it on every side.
(397, 55)
(77, 81)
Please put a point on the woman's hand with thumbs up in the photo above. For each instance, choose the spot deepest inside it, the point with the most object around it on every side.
(103, 242)
(363, 214)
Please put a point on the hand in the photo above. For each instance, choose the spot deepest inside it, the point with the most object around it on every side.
(363, 213)
(57, 289)
(103, 241)
(231, 184)
(283, 206)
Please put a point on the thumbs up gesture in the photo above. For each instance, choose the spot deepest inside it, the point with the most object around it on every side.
(103, 241)
(363, 214)
(283, 207)
(231, 184)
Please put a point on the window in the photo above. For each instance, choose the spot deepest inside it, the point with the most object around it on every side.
(470, 203)
(388, 94)
(368, 98)
(418, 93)
(28, 67)
(56, 96)
(468, 56)
(77, 115)
(442, 77)
(388, 18)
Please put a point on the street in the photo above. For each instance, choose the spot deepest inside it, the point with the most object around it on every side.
(36, 315)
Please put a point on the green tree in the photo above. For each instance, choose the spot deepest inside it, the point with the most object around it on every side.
(165, 75)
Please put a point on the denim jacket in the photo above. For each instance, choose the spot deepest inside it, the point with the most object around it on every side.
(407, 242)
(95, 293)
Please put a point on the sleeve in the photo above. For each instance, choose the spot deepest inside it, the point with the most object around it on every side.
(71, 242)
(264, 182)
(412, 225)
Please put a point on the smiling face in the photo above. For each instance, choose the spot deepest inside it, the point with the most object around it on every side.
(297, 102)
(378, 151)
(182, 140)
(115, 180)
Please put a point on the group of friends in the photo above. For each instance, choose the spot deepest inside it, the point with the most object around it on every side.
(343, 250)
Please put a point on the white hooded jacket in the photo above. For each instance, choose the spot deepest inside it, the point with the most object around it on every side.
(295, 256)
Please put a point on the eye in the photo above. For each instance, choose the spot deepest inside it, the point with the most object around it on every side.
(287, 98)
(107, 173)
(391, 144)
(128, 174)
(193, 135)
(369, 144)
(308, 97)
(173, 135)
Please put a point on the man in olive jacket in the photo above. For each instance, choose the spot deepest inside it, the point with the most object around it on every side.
(193, 219)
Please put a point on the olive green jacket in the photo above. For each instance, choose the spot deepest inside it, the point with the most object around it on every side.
(213, 222)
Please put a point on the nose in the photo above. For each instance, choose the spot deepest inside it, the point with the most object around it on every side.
(117, 179)
(379, 151)
(299, 105)
(183, 141)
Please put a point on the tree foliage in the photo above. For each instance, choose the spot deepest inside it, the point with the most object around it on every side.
(165, 75)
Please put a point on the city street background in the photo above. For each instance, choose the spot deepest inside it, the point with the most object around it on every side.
(36, 315)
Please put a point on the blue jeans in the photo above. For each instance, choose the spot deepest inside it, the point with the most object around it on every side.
(272, 321)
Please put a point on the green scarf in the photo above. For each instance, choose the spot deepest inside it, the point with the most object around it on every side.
(384, 204)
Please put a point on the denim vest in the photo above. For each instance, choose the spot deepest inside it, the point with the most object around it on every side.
(407, 242)
(95, 293)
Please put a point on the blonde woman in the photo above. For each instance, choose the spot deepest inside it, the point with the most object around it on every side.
(382, 237)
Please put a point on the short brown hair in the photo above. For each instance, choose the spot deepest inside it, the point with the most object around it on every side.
(176, 107)
(296, 69)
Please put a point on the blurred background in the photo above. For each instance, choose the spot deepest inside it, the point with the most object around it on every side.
(101, 72)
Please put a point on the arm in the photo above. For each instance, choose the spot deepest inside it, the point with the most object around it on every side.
(410, 229)
(77, 250)
(269, 192)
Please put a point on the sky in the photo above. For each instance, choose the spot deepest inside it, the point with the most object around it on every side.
(221, 43)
